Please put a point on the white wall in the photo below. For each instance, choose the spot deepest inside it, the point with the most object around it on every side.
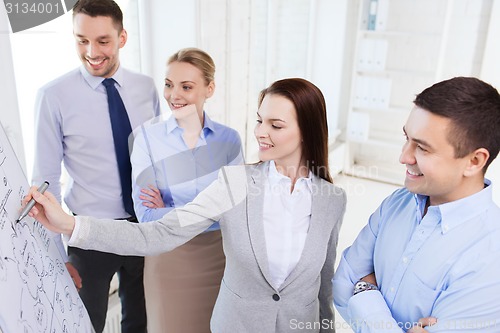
(490, 72)
(40, 54)
(9, 114)
(166, 26)
(330, 67)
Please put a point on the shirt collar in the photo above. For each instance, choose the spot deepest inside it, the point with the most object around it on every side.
(275, 177)
(459, 211)
(95, 81)
(208, 126)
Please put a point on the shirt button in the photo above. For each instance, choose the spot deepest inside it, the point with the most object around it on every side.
(405, 260)
(276, 297)
(392, 289)
(446, 227)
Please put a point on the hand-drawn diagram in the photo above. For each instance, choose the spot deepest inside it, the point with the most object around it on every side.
(36, 292)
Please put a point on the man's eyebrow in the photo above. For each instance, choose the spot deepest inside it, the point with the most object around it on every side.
(100, 37)
(419, 141)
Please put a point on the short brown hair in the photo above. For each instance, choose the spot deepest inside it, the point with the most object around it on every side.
(473, 107)
(94, 8)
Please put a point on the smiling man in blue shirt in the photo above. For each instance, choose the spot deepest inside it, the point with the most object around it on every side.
(431, 250)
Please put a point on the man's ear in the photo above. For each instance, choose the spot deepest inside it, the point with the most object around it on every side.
(123, 38)
(476, 162)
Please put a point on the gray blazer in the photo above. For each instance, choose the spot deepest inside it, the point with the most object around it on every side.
(247, 302)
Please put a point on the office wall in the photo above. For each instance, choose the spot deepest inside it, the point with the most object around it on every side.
(9, 109)
(165, 27)
(490, 72)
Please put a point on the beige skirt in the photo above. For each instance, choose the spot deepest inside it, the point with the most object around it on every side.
(181, 286)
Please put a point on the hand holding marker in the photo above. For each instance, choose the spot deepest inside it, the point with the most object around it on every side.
(32, 202)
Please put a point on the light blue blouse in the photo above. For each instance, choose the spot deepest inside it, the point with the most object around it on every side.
(161, 158)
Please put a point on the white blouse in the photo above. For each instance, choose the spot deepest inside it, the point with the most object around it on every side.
(286, 222)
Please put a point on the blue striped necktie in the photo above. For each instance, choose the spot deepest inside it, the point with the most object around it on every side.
(120, 125)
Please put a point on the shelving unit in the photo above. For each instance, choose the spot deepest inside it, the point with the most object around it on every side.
(402, 47)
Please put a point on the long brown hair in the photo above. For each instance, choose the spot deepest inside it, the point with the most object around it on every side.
(310, 106)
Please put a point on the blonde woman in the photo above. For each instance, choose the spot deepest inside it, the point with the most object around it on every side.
(173, 161)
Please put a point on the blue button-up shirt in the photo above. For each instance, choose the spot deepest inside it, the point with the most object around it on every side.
(161, 158)
(442, 264)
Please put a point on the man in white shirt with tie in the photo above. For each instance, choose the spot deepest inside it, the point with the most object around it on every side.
(73, 126)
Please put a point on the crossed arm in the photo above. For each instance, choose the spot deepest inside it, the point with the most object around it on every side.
(461, 299)
(421, 323)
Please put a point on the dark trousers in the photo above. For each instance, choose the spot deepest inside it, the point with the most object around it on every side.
(96, 270)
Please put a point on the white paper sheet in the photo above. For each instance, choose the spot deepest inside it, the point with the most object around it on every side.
(36, 292)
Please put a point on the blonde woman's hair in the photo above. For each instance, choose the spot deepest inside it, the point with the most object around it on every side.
(198, 58)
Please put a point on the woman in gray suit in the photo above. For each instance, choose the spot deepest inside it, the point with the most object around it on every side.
(280, 220)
